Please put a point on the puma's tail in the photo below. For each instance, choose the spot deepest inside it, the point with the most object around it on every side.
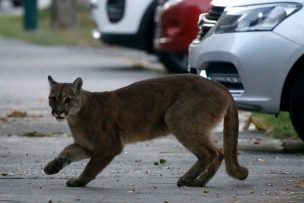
(231, 132)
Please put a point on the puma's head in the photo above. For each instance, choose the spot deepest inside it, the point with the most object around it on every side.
(64, 98)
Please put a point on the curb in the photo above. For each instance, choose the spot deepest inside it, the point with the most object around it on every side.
(272, 145)
(269, 145)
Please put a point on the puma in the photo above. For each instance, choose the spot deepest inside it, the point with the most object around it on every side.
(188, 106)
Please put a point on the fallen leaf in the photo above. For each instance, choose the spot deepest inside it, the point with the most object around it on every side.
(162, 161)
(34, 134)
(300, 183)
(41, 134)
(262, 161)
(259, 123)
(4, 174)
(3, 120)
(17, 114)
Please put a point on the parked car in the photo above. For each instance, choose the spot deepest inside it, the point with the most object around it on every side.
(133, 24)
(126, 23)
(17, 2)
(176, 22)
(256, 49)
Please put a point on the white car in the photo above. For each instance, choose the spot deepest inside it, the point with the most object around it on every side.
(256, 49)
(125, 22)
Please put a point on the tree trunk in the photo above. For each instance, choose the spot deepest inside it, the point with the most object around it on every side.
(63, 14)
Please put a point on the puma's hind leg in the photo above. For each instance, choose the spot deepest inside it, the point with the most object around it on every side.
(193, 132)
(204, 169)
(209, 171)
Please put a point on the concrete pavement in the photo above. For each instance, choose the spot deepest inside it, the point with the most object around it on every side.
(134, 177)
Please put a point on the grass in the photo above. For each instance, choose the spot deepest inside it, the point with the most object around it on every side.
(12, 27)
(281, 126)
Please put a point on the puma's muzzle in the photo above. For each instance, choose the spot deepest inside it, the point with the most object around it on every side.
(59, 116)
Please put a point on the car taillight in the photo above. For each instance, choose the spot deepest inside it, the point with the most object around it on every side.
(115, 10)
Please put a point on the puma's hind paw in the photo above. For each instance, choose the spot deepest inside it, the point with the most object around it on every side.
(75, 182)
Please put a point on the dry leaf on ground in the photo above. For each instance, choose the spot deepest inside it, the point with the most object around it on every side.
(17, 114)
(300, 183)
(3, 120)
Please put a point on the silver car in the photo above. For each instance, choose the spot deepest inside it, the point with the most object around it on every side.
(256, 49)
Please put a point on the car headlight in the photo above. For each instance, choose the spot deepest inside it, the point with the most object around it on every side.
(262, 17)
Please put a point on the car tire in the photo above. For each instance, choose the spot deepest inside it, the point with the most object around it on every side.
(296, 106)
(174, 62)
(17, 3)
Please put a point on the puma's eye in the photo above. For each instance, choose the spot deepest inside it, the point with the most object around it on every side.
(67, 100)
(52, 98)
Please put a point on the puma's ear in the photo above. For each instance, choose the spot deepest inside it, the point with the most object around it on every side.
(77, 84)
(52, 82)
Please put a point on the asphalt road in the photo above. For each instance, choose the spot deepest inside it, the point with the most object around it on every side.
(133, 175)
(24, 69)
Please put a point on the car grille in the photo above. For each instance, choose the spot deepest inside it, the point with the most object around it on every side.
(226, 74)
(115, 10)
(208, 20)
(162, 2)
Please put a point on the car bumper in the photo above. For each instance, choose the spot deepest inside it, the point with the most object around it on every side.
(262, 61)
(175, 43)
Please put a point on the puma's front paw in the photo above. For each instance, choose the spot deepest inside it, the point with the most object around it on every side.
(183, 182)
(55, 166)
(75, 182)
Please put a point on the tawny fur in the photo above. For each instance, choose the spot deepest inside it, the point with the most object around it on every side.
(188, 106)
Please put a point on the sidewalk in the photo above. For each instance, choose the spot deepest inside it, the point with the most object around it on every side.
(40, 121)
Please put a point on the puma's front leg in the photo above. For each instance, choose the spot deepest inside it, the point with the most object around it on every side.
(94, 166)
(71, 153)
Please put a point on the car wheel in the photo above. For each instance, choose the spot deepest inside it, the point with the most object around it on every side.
(17, 3)
(174, 62)
(296, 106)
